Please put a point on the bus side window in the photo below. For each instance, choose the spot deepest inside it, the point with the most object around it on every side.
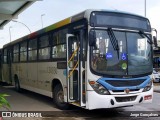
(59, 44)
(16, 53)
(59, 51)
(23, 51)
(5, 56)
(44, 49)
(32, 50)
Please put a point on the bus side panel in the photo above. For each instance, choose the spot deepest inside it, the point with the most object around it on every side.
(23, 74)
(5, 73)
(32, 75)
(15, 72)
(46, 71)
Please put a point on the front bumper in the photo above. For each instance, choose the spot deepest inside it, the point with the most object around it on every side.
(97, 101)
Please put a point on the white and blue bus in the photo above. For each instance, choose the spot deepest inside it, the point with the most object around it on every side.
(95, 59)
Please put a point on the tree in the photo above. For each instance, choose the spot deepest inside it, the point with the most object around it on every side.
(3, 102)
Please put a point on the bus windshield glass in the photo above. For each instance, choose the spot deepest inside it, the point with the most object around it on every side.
(119, 20)
(133, 56)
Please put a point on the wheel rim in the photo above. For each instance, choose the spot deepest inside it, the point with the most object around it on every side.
(60, 97)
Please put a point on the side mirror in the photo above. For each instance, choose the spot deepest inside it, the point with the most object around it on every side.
(92, 38)
(155, 37)
(155, 41)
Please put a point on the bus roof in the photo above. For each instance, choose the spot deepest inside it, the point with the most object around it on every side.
(85, 14)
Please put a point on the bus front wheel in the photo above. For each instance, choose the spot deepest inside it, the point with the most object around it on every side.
(58, 96)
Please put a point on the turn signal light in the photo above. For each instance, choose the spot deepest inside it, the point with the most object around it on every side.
(148, 97)
(91, 82)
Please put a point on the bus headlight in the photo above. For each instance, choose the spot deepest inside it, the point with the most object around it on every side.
(99, 88)
(148, 87)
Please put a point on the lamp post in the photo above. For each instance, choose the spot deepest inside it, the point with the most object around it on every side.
(42, 19)
(10, 32)
(145, 8)
(22, 24)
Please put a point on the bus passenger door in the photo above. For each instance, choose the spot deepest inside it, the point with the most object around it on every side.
(72, 68)
(76, 68)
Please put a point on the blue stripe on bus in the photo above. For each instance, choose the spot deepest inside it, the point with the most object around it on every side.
(103, 82)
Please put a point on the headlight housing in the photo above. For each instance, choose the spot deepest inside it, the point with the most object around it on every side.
(99, 88)
(148, 86)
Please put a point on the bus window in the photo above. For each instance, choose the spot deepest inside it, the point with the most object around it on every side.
(59, 51)
(5, 56)
(44, 49)
(32, 50)
(23, 51)
(16, 53)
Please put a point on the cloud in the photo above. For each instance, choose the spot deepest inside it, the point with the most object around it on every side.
(56, 10)
(153, 15)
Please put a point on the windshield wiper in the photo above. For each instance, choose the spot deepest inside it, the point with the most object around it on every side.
(114, 41)
(149, 40)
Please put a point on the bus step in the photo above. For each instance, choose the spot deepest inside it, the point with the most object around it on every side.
(76, 103)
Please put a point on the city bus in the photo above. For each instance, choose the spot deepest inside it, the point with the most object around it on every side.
(94, 59)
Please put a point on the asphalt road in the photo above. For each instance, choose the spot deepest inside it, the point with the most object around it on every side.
(29, 101)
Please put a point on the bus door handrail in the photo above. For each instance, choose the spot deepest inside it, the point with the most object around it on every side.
(73, 54)
(75, 64)
(73, 69)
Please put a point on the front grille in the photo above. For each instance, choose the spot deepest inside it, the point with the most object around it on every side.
(125, 99)
(132, 90)
(123, 83)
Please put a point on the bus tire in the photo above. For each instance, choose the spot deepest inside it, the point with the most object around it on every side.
(58, 97)
(17, 85)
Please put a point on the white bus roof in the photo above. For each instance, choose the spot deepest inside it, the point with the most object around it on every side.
(79, 16)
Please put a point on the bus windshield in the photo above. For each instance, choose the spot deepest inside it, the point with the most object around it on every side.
(132, 58)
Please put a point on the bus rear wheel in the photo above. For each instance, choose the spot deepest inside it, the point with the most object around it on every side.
(58, 97)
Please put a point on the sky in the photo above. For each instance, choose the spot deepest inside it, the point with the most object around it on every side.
(56, 10)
